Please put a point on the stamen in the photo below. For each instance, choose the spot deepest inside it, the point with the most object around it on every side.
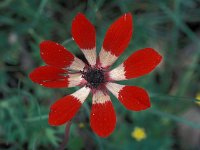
(94, 77)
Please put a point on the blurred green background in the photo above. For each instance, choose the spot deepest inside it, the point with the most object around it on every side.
(172, 27)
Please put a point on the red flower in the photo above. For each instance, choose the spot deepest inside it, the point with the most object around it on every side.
(63, 70)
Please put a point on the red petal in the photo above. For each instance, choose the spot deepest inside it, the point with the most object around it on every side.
(49, 76)
(55, 54)
(102, 118)
(117, 37)
(83, 32)
(141, 62)
(132, 97)
(65, 108)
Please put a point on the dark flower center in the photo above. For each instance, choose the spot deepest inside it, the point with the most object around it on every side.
(94, 77)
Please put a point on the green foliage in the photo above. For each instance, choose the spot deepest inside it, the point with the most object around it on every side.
(169, 26)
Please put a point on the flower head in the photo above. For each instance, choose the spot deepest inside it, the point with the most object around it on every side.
(64, 70)
(81, 125)
(138, 134)
(198, 98)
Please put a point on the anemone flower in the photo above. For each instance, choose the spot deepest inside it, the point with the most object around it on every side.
(63, 70)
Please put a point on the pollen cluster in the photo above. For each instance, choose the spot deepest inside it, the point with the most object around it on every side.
(94, 77)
